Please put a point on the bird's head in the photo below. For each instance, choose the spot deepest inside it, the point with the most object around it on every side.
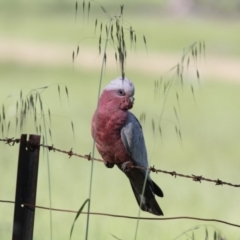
(119, 94)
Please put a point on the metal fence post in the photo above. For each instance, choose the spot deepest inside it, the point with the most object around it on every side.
(26, 188)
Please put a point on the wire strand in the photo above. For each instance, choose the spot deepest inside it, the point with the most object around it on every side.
(126, 216)
(70, 153)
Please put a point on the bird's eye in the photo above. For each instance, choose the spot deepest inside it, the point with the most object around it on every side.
(121, 92)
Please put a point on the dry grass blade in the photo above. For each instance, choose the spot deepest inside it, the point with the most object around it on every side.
(204, 48)
(178, 71)
(41, 105)
(192, 90)
(195, 52)
(73, 56)
(180, 135)
(112, 33)
(77, 215)
(76, 9)
(160, 130)
(175, 112)
(145, 42)
(106, 30)
(153, 126)
(117, 26)
(188, 61)
(100, 41)
(16, 108)
(95, 27)
(66, 90)
(115, 237)
(160, 85)
(43, 142)
(72, 125)
(27, 104)
(215, 235)
(76, 6)
(8, 127)
(104, 10)
(122, 32)
(50, 133)
(83, 6)
(35, 116)
(198, 76)
(176, 129)
(16, 123)
(89, 7)
(59, 93)
(177, 96)
(3, 113)
(49, 116)
(2, 130)
(166, 87)
(142, 117)
(131, 35)
(122, 7)
(36, 97)
(105, 59)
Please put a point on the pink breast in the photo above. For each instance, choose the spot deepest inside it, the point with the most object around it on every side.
(107, 128)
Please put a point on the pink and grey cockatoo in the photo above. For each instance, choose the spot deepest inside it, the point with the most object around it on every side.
(119, 140)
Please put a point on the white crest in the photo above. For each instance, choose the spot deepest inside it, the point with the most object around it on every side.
(120, 83)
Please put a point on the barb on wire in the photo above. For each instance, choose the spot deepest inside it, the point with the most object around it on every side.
(10, 141)
(70, 153)
(194, 177)
(125, 216)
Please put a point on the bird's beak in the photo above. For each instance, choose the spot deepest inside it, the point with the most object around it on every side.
(131, 99)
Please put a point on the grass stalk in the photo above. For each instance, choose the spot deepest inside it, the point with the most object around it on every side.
(94, 142)
(49, 179)
(139, 210)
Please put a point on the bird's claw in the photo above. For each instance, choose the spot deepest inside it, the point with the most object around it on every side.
(126, 166)
(109, 165)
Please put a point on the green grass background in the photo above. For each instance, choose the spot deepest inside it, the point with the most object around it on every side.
(209, 124)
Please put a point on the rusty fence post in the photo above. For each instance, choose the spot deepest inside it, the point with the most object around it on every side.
(26, 187)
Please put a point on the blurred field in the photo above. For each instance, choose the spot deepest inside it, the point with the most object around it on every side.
(36, 44)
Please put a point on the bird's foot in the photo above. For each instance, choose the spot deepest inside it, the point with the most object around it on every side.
(126, 166)
(109, 165)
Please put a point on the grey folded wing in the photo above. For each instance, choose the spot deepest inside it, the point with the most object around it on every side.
(133, 140)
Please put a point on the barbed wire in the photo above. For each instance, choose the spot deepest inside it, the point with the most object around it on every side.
(70, 153)
(126, 216)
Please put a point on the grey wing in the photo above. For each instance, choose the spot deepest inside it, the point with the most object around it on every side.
(133, 140)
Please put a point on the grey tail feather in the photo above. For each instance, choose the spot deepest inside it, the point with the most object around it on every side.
(157, 190)
(149, 203)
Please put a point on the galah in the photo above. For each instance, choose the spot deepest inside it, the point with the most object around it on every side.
(119, 139)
